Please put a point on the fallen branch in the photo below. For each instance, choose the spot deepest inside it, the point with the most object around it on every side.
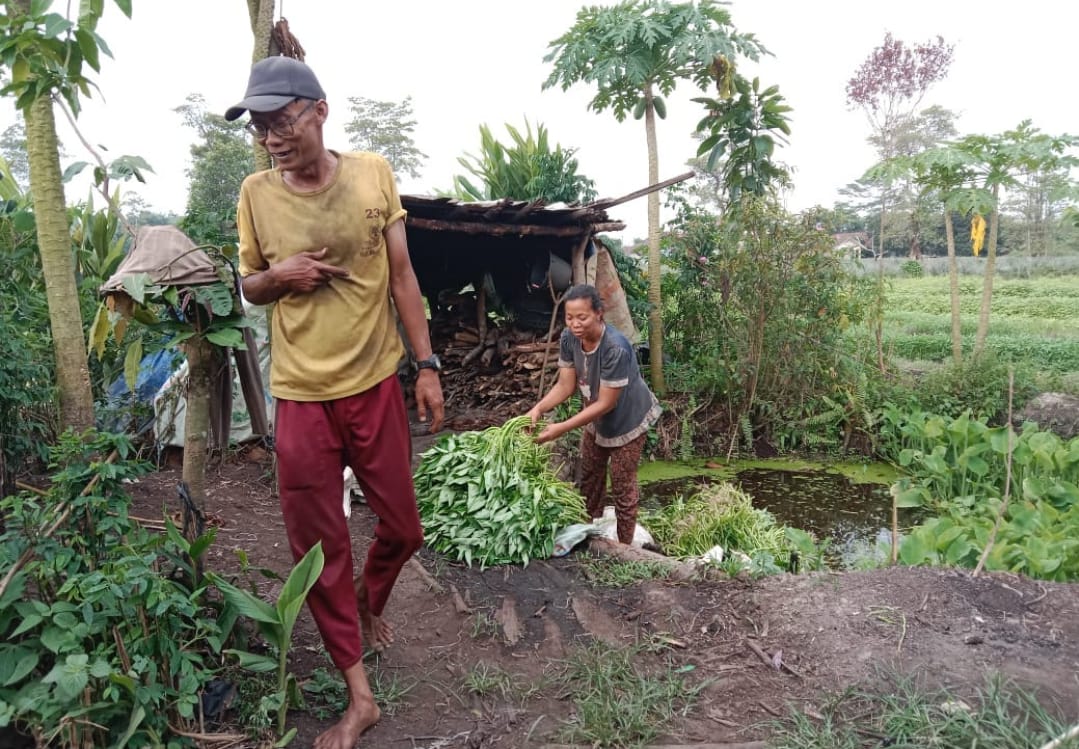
(771, 661)
(1060, 740)
(676, 570)
(27, 487)
(428, 578)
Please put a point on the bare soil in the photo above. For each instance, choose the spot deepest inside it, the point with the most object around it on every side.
(831, 630)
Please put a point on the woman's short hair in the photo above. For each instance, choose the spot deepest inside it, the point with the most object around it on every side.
(585, 291)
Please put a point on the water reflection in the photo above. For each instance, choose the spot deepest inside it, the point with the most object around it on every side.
(855, 517)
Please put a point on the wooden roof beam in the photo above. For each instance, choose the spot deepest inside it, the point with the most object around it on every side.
(504, 230)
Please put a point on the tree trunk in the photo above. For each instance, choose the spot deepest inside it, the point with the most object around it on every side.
(655, 294)
(58, 267)
(987, 281)
(953, 289)
(200, 359)
(261, 14)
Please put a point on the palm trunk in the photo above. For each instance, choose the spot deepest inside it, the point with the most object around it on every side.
(261, 13)
(953, 288)
(987, 281)
(58, 267)
(200, 358)
(655, 295)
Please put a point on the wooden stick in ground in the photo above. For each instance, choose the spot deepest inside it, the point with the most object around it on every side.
(1007, 480)
(65, 510)
(895, 529)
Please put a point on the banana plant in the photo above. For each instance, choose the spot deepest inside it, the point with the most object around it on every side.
(275, 623)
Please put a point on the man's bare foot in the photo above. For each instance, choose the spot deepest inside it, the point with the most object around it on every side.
(346, 732)
(377, 632)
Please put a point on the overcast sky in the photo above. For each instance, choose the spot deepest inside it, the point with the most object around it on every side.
(481, 61)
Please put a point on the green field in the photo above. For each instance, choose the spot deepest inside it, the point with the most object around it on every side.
(1032, 320)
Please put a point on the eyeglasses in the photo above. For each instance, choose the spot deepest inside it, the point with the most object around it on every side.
(281, 128)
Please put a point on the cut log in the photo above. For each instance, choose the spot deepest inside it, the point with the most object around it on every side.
(678, 570)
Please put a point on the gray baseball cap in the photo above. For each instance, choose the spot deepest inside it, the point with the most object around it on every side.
(273, 83)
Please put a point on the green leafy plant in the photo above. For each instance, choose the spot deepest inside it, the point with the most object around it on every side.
(528, 169)
(491, 497)
(275, 623)
(106, 640)
(957, 469)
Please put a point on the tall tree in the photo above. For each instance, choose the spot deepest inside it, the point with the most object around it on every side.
(888, 87)
(385, 128)
(46, 54)
(527, 169)
(635, 53)
(220, 160)
(13, 150)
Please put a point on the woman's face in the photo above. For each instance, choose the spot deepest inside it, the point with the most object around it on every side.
(583, 321)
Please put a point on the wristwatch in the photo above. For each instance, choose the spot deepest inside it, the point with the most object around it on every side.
(431, 362)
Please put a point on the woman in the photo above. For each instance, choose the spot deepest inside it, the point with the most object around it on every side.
(618, 406)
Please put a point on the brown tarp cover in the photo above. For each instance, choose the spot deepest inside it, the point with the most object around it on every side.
(169, 258)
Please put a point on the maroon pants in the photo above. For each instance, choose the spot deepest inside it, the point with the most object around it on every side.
(314, 442)
(624, 491)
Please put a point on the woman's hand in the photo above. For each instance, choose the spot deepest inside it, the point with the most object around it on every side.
(550, 432)
(535, 415)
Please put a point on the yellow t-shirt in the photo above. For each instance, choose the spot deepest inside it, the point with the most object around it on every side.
(341, 339)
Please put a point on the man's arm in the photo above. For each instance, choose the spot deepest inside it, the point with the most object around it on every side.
(302, 273)
(405, 290)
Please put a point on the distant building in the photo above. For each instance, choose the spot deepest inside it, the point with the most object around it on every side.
(856, 243)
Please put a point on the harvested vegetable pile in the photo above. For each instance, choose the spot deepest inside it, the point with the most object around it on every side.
(719, 514)
(492, 497)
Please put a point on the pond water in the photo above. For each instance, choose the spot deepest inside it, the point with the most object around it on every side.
(856, 517)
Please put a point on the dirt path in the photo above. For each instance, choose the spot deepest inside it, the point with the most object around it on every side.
(482, 654)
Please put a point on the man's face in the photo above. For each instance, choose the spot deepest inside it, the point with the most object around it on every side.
(293, 133)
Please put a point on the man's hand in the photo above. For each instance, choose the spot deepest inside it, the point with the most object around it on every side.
(305, 272)
(429, 398)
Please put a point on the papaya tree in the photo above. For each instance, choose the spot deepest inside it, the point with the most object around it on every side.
(46, 55)
(946, 174)
(635, 53)
(1001, 160)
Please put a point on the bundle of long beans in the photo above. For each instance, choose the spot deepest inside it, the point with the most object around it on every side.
(491, 497)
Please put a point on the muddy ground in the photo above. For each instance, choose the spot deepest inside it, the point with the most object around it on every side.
(521, 625)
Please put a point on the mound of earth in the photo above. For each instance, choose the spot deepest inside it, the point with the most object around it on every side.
(825, 631)
(1057, 412)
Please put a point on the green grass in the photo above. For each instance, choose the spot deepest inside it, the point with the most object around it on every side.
(609, 573)
(617, 703)
(902, 713)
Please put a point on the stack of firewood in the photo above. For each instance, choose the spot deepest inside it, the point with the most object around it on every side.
(499, 370)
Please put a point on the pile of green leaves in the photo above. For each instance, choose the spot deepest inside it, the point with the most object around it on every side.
(491, 497)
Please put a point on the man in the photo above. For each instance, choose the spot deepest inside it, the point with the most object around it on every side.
(322, 235)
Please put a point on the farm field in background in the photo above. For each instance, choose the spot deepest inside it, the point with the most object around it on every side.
(1034, 321)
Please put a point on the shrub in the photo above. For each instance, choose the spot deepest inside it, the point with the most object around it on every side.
(106, 628)
(912, 269)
